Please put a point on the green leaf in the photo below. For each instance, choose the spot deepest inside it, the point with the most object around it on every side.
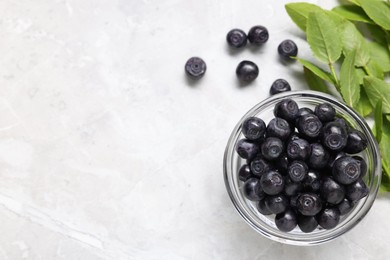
(349, 82)
(384, 147)
(363, 106)
(388, 118)
(299, 13)
(355, 2)
(378, 121)
(378, 11)
(380, 54)
(353, 40)
(377, 89)
(375, 69)
(323, 37)
(353, 13)
(376, 33)
(317, 70)
(360, 74)
(315, 82)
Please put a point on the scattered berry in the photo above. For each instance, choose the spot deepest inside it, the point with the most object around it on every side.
(279, 86)
(236, 38)
(247, 71)
(258, 35)
(287, 49)
(195, 68)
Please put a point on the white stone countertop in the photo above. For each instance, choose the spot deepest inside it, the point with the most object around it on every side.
(107, 151)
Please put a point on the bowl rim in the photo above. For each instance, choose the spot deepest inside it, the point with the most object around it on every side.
(368, 201)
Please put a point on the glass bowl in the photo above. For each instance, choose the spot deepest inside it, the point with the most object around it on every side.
(265, 224)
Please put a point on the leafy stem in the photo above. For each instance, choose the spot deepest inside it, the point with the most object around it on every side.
(332, 70)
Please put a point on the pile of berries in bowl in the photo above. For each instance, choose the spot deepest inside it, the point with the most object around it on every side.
(302, 168)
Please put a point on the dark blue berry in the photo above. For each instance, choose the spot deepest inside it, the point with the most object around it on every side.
(312, 181)
(333, 158)
(252, 189)
(287, 49)
(278, 127)
(276, 204)
(259, 166)
(346, 170)
(331, 191)
(357, 190)
(298, 149)
(247, 149)
(272, 183)
(281, 164)
(253, 128)
(272, 148)
(309, 126)
(279, 86)
(309, 204)
(262, 207)
(247, 71)
(195, 68)
(342, 122)
(286, 221)
(319, 156)
(292, 188)
(236, 38)
(258, 35)
(325, 112)
(305, 111)
(329, 218)
(345, 206)
(287, 109)
(356, 142)
(307, 223)
(294, 200)
(363, 165)
(334, 136)
(244, 173)
(297, 171)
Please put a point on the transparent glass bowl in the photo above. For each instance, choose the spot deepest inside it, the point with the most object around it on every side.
(265, 224)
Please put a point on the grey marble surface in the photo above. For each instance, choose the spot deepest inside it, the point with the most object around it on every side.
(108, 152)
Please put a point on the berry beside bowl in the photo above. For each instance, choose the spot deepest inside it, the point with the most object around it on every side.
(308, 183)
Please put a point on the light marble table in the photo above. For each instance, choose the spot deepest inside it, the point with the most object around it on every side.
(108, 152)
